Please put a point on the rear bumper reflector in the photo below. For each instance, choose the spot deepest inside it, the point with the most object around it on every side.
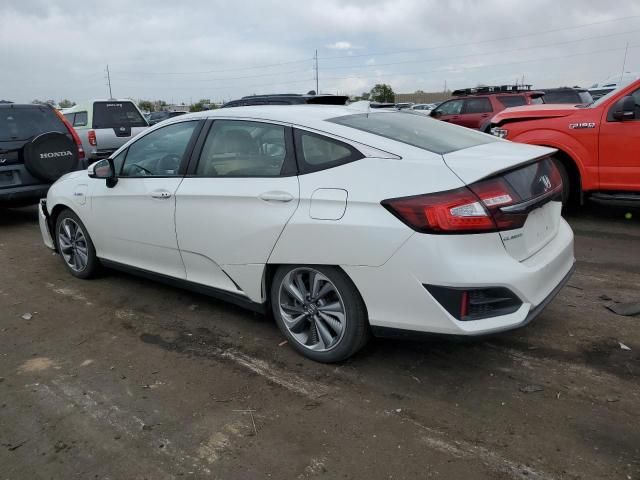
(467, 304)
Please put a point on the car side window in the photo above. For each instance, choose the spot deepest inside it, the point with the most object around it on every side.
(80, 119)
(238, 148)
(160, 152)
(118, 161)
(477, 105)
(636, 98)
(317, 152)
(453, 107)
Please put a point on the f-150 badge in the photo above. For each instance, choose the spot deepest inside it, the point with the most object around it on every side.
(582, 125)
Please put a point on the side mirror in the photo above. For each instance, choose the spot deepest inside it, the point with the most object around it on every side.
(104, 169)
(624, 109)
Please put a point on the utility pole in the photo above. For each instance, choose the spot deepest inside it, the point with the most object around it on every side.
(316, 68)
(624, 62)
(109, 82)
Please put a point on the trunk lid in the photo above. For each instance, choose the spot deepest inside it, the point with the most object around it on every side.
(533, 182)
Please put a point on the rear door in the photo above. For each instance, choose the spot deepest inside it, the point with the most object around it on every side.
(239, 193)
(116, 122)
(475, 111)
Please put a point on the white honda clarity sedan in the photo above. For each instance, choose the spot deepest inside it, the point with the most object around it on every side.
(340, 221)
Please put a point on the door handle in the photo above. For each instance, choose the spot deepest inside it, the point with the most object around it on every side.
(161, 194)
(276, 197)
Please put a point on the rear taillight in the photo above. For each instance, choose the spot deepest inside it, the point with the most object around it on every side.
(92, 138)
(485, 206)
(73, 133)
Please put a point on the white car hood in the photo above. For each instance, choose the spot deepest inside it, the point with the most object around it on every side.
(475, 163)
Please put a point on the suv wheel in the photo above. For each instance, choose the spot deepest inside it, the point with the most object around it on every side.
(320, 312)
(75, 245)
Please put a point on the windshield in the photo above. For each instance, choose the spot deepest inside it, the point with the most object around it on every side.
(602, 99)
(24, 123)
(416, 130)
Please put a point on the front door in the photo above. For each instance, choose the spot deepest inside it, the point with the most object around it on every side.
(449, 111)
(475, 112)
(235, 202)
(619, 150)
(135, 220)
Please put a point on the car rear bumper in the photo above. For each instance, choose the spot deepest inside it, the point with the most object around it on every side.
(44, 221)
(23, 195)
(396, 297)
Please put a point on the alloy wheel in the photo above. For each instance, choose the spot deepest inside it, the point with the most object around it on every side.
(312, 309)
(73, 245)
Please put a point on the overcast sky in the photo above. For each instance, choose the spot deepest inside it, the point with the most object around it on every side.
(186, 50)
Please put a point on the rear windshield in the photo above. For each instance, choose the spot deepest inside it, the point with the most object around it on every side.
(417, 130)
(116, 114)
(512, 100)
(25, 123)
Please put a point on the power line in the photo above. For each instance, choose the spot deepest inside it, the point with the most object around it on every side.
(475, 54)
(532, 34)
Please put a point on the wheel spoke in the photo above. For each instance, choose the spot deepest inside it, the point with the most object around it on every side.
(302, 288)
(65, 245)
(326, 288)
(331, 307)
(297, 323)
(333, 322)
(293, 291)
(290, 309)
(325, 334)
(314, 282)
(321, 344)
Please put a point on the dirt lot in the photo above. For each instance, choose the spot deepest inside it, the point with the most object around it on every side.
(120, 378)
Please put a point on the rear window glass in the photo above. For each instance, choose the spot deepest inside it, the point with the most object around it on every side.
(25, 123)
(416, 130)
(116, 114)
(512, 100)
(561, 97)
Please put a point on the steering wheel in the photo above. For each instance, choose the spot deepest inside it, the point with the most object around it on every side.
(140, 167)
(169, 162)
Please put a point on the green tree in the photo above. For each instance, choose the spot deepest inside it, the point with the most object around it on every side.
(200, 105)
(146, 105)
(382, 93)
(66, 103)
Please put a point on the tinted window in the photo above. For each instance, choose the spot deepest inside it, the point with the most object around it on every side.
(80, 119)
(317, 152)
(24, 123)
(417, 130)
(512, 100)
(566, 96)
(118, 161)
(160, 152)
(477, 105)
(243, 149)
(116, 114)
(453, 107)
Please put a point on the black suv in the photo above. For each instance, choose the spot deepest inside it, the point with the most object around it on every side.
(37, 146)
(288, 99)
(157, 117)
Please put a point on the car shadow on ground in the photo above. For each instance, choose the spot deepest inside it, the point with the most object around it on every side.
(18, 216)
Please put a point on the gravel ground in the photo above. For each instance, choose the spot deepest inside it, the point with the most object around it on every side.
(122, 378)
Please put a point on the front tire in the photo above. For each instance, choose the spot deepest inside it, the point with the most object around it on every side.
(320, 311)
(75, 246)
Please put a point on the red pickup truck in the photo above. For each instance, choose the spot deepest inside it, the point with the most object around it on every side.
(598, 144)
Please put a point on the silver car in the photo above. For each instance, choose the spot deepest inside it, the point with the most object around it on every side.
(105, 125)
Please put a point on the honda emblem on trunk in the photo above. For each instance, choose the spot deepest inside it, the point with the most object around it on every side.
(544, 179)
(122, 129)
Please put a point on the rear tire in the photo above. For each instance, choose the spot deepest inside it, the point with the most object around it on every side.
(319, 311)
(75, 246)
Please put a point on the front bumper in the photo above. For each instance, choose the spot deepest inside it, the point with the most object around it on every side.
(44, 221)
(23, 195)
(395, 296)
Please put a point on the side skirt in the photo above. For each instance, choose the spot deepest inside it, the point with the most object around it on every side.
(234, 298)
